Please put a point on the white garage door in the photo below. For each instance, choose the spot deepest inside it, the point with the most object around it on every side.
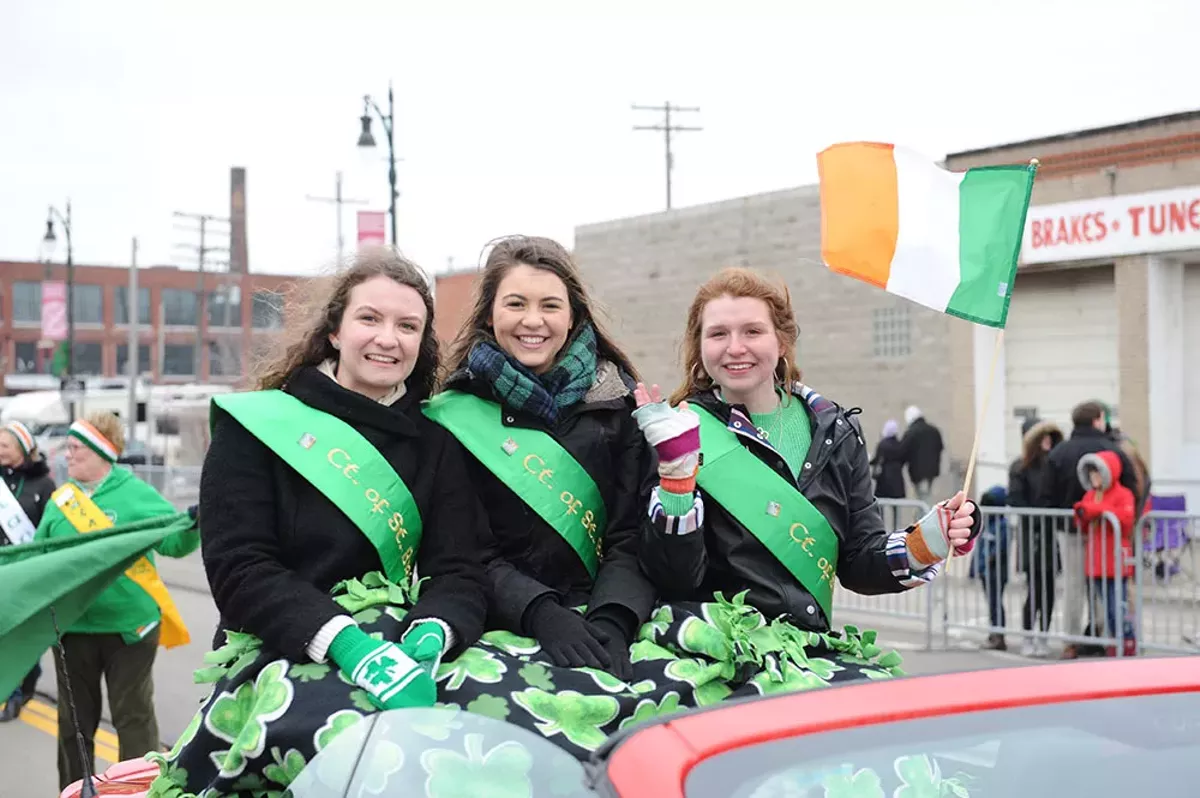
(1060, 346)
(1191, 354)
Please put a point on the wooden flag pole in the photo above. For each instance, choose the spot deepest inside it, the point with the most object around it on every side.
(987, 397)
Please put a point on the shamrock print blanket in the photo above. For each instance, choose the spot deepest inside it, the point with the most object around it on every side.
(266, 717)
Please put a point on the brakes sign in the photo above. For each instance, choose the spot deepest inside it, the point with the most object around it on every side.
(1158, 221)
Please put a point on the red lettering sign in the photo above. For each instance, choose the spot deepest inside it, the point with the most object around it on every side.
(1088, 227)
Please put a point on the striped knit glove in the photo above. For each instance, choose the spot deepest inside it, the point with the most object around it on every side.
(391, 678)
(928, 540)
(675, 435)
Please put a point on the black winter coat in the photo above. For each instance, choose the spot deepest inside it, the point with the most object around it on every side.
(527, 558)
(274, 546)
(922, 444)
(1026, 488)
(888, 469)
(1060, 482)
(723, 555)
(32, 485)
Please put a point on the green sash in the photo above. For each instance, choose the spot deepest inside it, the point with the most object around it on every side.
(777, 514)
(342, 465)
(539, 470)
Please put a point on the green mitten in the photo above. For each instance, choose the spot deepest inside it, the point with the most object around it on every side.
(425, 642)
(389, 676)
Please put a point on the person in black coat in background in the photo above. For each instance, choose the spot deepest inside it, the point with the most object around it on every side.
(27, 477)
(532, 345)
(887, 466)
(278, 551)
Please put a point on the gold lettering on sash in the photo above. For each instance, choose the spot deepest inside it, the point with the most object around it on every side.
(341, 460)
(799, 533)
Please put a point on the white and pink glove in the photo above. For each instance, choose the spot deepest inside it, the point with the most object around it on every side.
(675, 435)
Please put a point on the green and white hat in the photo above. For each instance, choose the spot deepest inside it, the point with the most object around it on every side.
(85, 432)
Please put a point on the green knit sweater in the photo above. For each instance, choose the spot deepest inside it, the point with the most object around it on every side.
(787, 428)
(123, 608)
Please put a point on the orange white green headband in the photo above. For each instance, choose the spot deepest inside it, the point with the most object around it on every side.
(91, 437)
(22, 434)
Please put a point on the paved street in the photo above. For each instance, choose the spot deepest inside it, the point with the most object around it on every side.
(28, 747)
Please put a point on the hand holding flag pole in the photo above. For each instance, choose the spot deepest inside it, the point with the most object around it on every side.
(949, 241)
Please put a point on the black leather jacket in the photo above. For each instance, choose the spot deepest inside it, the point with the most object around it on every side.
(723, 555)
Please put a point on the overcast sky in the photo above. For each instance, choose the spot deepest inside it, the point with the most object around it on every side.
(514, 116)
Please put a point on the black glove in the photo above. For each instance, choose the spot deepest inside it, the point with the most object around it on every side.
(569, 640)
(976, 520)
(617, 648)
(194, 512)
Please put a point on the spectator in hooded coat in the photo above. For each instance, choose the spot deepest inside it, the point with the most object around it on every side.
(1038, 550)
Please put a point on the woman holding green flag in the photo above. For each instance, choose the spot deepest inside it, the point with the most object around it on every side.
(342, 538)
(765, 490)
(25, 487)
(118, 636)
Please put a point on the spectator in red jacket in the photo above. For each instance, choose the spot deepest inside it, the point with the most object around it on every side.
(1105, 565)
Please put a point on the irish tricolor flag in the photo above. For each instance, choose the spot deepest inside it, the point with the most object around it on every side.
(947, 240)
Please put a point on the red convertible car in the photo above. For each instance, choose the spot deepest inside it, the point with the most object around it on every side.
(1090, 728)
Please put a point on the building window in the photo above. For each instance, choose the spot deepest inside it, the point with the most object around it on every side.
(224, 359)
(179, 308)
(892, 332)
(144, 366)
(89, 359)
(25, 357)
(267, 310)
(179, 360)
(88, 303)
(121, 305)
(27, 302)
(225, 307)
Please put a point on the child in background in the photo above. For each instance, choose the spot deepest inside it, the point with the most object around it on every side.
(990, 564)
(1106, 565)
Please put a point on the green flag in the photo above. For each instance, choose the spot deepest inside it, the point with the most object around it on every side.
(66, 574)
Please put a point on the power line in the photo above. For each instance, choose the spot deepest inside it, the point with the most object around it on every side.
(338, 200)
(202, 251)
(667, 129)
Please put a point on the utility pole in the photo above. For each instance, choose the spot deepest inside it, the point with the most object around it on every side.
(202, 250)
(338, 200)
(132, 304)
(667, 129)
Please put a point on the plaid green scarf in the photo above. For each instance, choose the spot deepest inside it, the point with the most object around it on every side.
(514, 385)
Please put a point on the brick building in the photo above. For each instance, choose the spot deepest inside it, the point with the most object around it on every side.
(223, 322)
(1112, 315)
(452, 303)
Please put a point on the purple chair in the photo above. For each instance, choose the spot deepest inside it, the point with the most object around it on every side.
(1170, 535)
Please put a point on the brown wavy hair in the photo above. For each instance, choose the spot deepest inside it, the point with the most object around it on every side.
(318, 314)
(540, 253)
(738, 282)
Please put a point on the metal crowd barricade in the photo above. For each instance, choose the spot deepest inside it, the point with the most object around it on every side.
(1166, 595)
(1027, 579)
(915, 605)
(179, 485)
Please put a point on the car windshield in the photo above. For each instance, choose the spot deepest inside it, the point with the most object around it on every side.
(439, 753)
(1142, 746)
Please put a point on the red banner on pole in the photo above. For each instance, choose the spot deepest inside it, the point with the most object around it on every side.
(54, 310)
(371, 229)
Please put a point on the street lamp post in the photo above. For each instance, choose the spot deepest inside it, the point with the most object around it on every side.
(366, 139)
(49, 241)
